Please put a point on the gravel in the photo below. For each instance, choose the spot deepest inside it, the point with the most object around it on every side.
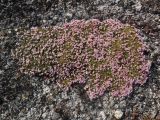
(24, 97)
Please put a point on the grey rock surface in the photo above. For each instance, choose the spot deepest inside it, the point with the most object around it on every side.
(36, 98)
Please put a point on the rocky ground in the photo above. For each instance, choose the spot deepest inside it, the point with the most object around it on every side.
(34, 98)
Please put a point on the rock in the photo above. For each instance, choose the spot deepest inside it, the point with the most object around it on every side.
(102, 7)
(116, 1)
(44, 115)
(64, 95)
(16, 29)
(29, 2)
(102, 114)
(46, 89)
(50, 115)
(32, 96)
(44, 21)
(118, 114)
(1, 72)
(54, 115)
(9, 31)
(138, 6)
(158, 26)
(153, 113)
(69, 15)
(158, 60)
(122, 104)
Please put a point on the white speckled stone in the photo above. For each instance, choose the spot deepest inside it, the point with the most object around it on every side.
(118, 114)
(102, 114)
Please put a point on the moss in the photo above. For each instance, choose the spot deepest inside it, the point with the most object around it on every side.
(108, 54)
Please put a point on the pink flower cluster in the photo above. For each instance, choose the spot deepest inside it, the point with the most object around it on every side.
(105, 55)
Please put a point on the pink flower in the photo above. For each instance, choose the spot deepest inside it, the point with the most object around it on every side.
(100, 54)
